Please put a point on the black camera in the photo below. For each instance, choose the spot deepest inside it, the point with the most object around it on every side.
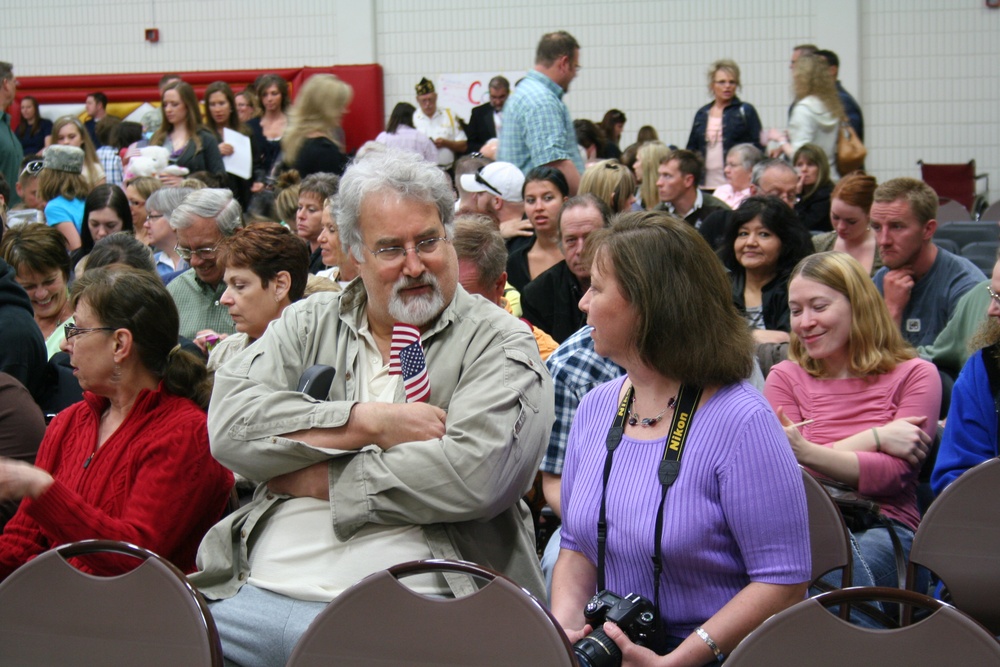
(633, 613)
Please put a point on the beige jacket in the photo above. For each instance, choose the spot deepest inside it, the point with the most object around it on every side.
(464, 490)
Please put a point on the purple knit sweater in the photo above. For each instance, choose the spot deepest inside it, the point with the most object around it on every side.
(736, 514)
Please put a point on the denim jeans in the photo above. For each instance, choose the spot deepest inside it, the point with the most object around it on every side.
(874, 564)
(549, 557)
(259, 628)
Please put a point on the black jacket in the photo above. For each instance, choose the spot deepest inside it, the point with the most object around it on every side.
(481, 127)
(551, 302)
(773, 300)
(22, 347)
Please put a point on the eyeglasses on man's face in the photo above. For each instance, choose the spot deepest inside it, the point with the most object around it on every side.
(395, 254)
(202, 253)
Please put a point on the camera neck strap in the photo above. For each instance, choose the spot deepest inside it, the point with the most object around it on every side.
(669, 468)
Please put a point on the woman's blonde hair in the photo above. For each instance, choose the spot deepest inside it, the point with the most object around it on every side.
(318, 109)
(611, 182)
(650, 153)
(726, 65)
(811, 76)
(875, 345)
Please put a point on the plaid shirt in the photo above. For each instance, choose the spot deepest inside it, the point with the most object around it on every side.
(537, 128)
(112, 165)
(575, 370)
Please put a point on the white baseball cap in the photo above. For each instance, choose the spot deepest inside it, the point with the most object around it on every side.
(498, 178)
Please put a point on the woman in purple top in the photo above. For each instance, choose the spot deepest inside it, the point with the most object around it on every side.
(729, 560)
(871, 403)
(400, 133)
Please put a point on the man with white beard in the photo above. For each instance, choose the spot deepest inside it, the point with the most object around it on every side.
(372, 476)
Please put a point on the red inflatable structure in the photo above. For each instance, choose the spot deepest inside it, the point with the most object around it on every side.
(363, 122)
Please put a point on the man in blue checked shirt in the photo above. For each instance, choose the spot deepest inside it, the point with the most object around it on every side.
(537, 128)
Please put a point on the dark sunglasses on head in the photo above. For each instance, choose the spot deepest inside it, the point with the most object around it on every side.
(480, 179)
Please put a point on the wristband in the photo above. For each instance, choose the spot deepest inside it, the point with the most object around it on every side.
(719, 655)
(878, 443)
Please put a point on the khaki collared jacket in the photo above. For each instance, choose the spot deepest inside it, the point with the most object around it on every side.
(463, 490)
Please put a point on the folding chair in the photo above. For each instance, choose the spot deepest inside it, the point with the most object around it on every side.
(983, 254)
(950, 210)
(964, 233)
(959, 540)
(958, 182)
(51, 613)
(379, 622)
(808, 634)
(992, 214)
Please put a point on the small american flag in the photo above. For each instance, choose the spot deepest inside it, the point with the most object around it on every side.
(406, 358)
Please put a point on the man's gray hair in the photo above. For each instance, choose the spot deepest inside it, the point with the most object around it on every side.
(215, 203)
(165, 200)
(391, 172)
(748, 155)
(6, 71)
(770, 163)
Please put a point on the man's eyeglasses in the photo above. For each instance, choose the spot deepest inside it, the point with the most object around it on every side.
(203, 253)
(32, 168)
(155, 216)
(993, 295)
(72, 331)
(394, 254)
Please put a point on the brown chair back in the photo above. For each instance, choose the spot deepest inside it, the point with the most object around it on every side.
(959, 540)
(380, 621)
(809, 634)
(51, 613)
(828, 536)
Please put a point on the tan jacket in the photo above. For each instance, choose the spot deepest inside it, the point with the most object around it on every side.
(464, 490)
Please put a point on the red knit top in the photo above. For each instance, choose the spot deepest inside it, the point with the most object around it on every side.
(153, 483)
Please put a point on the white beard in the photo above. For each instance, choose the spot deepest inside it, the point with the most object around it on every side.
(416, 310)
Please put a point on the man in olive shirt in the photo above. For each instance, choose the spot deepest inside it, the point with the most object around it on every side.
(201, 222)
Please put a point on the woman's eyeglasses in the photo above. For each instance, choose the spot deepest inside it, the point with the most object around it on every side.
(72, 331)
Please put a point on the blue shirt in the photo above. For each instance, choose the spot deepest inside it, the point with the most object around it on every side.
(61, 210)
(933, 297)
(537, 128)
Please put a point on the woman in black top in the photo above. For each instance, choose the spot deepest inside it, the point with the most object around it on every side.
(182, 133)
(310, 145)
(33, 131)
(815, 186)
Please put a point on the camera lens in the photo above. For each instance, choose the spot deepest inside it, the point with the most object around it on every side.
(597, 650)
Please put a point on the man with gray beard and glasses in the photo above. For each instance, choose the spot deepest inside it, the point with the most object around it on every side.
(375, 474)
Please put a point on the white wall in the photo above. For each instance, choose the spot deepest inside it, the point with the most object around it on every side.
(924, 71)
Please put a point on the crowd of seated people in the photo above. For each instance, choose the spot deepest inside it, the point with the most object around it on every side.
(148, 288)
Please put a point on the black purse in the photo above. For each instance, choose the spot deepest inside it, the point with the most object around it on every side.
(859, 513)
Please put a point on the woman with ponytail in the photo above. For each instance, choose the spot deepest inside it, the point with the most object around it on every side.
(131, 461)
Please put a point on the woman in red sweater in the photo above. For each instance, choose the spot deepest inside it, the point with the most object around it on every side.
(131, 461)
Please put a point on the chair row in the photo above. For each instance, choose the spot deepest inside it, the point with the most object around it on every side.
(53, 613)
(958, 540)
